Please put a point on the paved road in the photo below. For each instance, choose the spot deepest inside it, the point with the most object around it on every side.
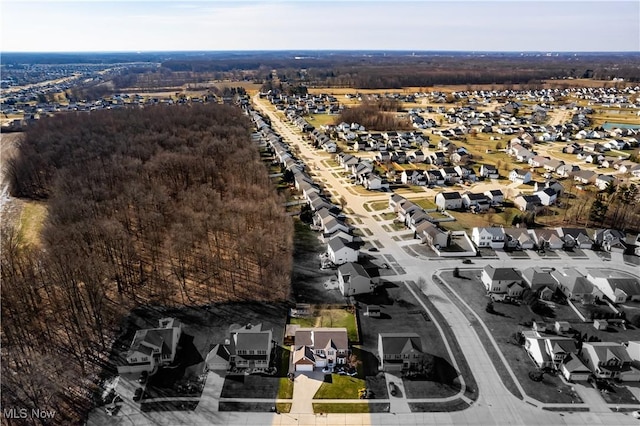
(496, 405)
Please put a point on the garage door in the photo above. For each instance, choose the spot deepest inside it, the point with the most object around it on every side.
(304, 367)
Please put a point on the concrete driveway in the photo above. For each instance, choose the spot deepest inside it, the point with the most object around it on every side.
(397, 403)
(306, 385)
(210, 398)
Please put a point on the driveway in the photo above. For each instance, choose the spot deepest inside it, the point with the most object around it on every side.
(306, 384)
(211, 392)
(397, 403)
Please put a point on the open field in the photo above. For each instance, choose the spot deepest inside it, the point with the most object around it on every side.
(32, 220)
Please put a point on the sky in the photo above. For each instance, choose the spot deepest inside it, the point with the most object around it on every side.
(419, 25)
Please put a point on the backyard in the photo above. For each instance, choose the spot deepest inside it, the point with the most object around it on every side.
(330, 317)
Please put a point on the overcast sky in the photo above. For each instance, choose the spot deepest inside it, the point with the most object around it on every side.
(517, 25)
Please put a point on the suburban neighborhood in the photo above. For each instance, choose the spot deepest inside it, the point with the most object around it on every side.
(403, 223)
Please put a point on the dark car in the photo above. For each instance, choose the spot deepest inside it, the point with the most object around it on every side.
(467, 261)
(393, 389)
(373, 249)
(143, 377)
(137, 395)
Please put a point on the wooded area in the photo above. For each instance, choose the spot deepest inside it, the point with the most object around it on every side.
(166, 205)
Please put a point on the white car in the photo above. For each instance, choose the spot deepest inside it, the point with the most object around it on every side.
(636, 414)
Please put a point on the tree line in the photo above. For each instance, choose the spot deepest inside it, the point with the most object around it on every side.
(166, 205)
(375, 115)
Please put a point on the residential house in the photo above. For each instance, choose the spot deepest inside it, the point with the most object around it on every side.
(488, 171)
(395, 200)
(518, 239)
(574, 370)
(405, 209)
(603, 181)
(399, 351)
(528, 203)
(493, 237)
(497, 280)
(320, 347)
(342, 251)
(575, 237)
(332, 225)
(537, 161)
(547, 196)
(450, 175)
(585, 176)
(353, 279)
(574, 285)
(547, 239)
(250, 346)
(155, 347)
(431, 235)
(552, 165)
(520, 176)
(538, 279)
(611, 240)
(608, 360)
(617, 286)
(495, 196)
(476, 202)
(218, 357)
(448, 200)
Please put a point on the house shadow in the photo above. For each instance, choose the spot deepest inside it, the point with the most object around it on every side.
(182, 378)
(369, 361)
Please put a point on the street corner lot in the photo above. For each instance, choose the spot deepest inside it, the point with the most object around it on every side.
(401, 312)
(508, 320)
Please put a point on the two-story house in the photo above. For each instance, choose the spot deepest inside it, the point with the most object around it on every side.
(320, 347)
(608, 360)
(249, 346)
(399, 351)
(154, 347)
(498, 280)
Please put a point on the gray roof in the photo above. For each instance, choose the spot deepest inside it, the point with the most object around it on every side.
(502, 274)
(400, 343)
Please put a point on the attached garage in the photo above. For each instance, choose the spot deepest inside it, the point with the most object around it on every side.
(304, 367)
(573, 369)
(303, 359)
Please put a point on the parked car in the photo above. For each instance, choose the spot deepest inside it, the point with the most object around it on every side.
(373, 249)
(393, 389)
(137, 395)
(143, 377)
(636, 414)
(467, 261)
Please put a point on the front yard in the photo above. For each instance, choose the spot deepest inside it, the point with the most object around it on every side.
(336, 386)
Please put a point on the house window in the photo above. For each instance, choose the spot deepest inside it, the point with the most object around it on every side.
(134, 359)
(262, 352)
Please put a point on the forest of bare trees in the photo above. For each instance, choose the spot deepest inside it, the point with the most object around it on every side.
(165, 205)
(376, 115)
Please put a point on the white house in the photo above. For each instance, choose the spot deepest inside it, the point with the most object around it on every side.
(353, 279)
(493, 237)
(496, 280)
(547, 196)
(341, 251)
(449, 200)
(155, 346)
(520, 176)
(320, 347)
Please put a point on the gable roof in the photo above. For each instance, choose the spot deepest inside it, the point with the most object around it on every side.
(502, 274)
(322, 337)
(353, 269)
(400, 343)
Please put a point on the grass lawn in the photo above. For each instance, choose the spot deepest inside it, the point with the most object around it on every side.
(31, 221)
(398, 226)
(340, 387)
(331, 317)
(466, 220)
(438, 407)
(388, 216)
(379, 205)
(428, 389)
(358, 407)
(285, 388)
(425, 203)
(318, 120)
(619, 395)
